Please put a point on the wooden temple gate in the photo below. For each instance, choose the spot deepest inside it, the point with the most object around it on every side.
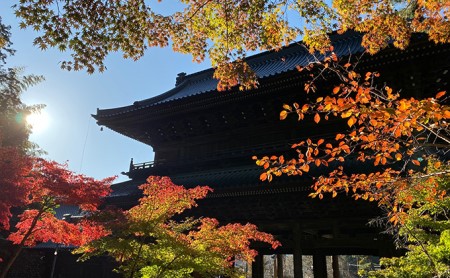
(204, 137)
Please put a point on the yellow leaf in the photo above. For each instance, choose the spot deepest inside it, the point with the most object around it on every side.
(388, 90)
(351, 121)
(346, 114)
(287, 107)
(317, 118)
(319, 99)
(334, 194)
(283, 115)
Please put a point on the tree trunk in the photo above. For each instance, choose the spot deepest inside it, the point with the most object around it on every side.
(20, 246)
(11, 260)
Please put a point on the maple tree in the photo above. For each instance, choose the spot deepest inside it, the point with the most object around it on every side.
(402, 142)
(14, 131)
(425, 232)
(39, 187)
(223, 30)
(392, 133)
(32, 185)
(152, 240)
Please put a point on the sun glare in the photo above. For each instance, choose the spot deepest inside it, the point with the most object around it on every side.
(38, 121)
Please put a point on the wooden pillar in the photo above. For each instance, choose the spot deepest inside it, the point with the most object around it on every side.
(258, 267)
(279, 266)
(298, 262)
(319, 266)
(335, 258)
(335, 265)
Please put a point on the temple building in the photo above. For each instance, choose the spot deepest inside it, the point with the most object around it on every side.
(204, 137)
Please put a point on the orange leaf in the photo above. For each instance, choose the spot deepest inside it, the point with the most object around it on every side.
(317, 162)
(305, 168)
(440, 94)
(437, 164)
(305, 107)
(339, 136)
(283, 115)
(336, 89)
(416, 162)
(320, 142)
(334, 194)
(317, 118)
(447, 114)
(263, 176)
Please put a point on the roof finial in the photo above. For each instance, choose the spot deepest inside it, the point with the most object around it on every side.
(180, 78)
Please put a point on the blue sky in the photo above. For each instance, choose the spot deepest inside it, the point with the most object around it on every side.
(71, 97)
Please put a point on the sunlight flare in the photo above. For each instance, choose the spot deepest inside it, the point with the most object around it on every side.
(38, 121)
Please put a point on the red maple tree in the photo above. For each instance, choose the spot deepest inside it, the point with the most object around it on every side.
(37, 187)
(152, 239)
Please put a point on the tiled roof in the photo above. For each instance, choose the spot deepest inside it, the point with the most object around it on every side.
(266, 64)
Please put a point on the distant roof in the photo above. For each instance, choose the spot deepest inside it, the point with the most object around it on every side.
(265, 64)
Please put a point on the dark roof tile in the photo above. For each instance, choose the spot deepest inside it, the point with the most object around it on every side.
(265, 64)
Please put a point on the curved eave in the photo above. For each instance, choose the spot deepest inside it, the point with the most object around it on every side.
(265, 65)
(277, 71)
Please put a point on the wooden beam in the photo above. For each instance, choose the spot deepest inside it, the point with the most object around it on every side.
(335, 265)
(298, 262)
(279, 266)
(258, 267)
(319, 266)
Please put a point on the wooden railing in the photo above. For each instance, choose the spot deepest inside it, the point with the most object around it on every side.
(140, 166)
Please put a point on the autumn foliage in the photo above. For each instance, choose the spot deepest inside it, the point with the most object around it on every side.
(37, 187)
(45, 185)
(393, 136)
(153, 240)
(224, 30)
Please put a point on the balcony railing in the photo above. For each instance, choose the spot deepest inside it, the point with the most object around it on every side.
(140, 166)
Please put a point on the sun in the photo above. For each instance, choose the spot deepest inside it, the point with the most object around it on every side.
(38, 121)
